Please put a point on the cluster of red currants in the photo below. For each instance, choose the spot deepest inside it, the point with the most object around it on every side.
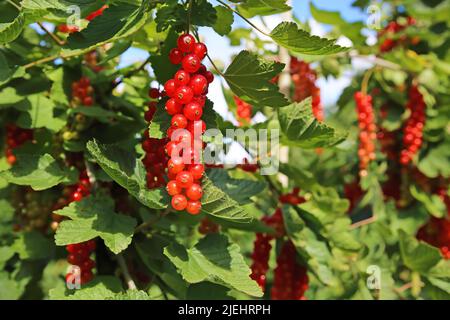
(243, 111)
(65, 28)
(367, 131)
(290, 278)
(304, 80)
(353, 193)
(413, 130)
(155, 159)
(80, 256)
(15, 137)
(186, 93)
(388, 34)
(82, 92)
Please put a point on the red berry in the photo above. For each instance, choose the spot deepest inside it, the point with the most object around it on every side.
(172, 188)
(194, 192)
(184, 95)
(191, 63)
(179, 121)
(194, 207)
(77, 196)
(173, 107)
(185, 179)
(193, 111)
(200, 50)
(170, 87)
(179, 202)
(186, 43)
(154, 93)
(175, 165)
(182, 78)
(197, 171)
(201, 100)
(175, 56)
(209, 76)
(199, 84)
(197, 128)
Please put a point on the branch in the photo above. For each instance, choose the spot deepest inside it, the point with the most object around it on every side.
(52, 35)
(126, 274)
(363, 222)
(132, 73)
(244, 18)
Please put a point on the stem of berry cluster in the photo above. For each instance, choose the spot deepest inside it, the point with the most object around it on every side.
(365, 81)
(126, 274)
(52, 35)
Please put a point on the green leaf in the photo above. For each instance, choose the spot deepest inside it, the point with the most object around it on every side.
(99, 113)
(224, 20)
(120, 20)
(301, 128)
(160, 122)
(417, 256)
(101, 288)
(9, 97)
(288, 35)
(214, 259)
(11, 289)
(37, 112)
(92, 217)
(219, 204)
(258, 91)
(436, 161)
(433, 203)
(11, 30)
(132, 295)
(208, 291)
(128, 171)
(251, 8)
(40, 172)
(163, 69)
(239, 189)
(33, 246)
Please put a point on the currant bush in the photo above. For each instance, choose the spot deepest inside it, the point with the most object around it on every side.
(15, 137)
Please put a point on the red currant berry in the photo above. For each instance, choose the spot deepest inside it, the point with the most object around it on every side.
(194, 192)
(170, 87)
(87, 265)
(179, 202)
(193, 111)
(91, 245)
(194, 207)
(179, 121)
(209, 76)
(182, 78)
(154, 93)
(175, 165)
(175, 56)
(171, 146)
(201, 100)
(191, 63)
(197, 127)
(172, 188)
(199, 84)
(186, 43)
(173, 107)
(200, 50)
(184, 95)
(77, 196)
(197, 171)
(185, 179)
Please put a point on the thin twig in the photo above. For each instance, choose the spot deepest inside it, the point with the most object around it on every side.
(363, 222)
(244, 18)
(189, 16)
(365, 81)
(131, 73)
(90, 173)
(52, 35)
(126, 274)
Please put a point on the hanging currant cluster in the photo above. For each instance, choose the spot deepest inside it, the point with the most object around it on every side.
(187, 96)
(15, 137)
(243, 111)
(155, 159)
(389, 34)
(290, 278)
(304, 81)
(413, 130)
(367, 131)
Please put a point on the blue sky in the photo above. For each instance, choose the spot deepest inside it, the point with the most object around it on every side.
(220, 49)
